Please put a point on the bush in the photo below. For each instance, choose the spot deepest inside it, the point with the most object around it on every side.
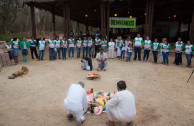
(8, 37)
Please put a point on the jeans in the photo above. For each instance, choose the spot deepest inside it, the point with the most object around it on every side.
(51, 54)
(129, 56)
(97, 48)
(64, 50)
(85, 49)
(189, 57)
(59, 53)
(91, 51)
(111, 52)
(102, 65)
(165, 57)
(155, 55)
(123, 54)
(71, 49)
(41, 54)
(78, 52)
(33, 50)
(10, 55)
(137, 51)
(146, 54)
(178, 58)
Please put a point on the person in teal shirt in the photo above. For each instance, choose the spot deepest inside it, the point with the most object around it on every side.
(24, 45)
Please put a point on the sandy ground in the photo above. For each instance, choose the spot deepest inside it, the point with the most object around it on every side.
(163, 98)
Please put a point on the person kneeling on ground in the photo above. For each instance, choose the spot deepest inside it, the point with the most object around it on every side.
(102, 60)
(121, 106)
(76, 102)
(86, 64)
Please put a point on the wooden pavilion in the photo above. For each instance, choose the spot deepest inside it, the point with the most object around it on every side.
(96, 13)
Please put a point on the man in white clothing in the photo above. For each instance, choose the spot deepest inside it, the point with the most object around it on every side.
(102, 60)
(121, 106)
(76, 101)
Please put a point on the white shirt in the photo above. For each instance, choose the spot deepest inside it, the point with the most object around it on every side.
(25, 47)
(85, 43)
(125, 104)
(97, 41)
(111, 45)
(138, 41)
(41, 45)
(101, 57)
(71, 44)
(90, 42)
(51, 44)
(76, 99)
(79, 43)
(127, 43)
(64, 44)
(57, 43)
(15, 44)
(188, 49)
(147, 44)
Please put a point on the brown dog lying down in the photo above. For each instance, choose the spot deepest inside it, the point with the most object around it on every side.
(21, 72)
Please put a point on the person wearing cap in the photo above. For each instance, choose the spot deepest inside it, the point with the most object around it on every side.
(121, 106)
(76, 101)
(102, 60)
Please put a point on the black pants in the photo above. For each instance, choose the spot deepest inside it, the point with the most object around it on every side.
(177, 58)
(137, 50)
(123, 54)
(180, 58)
(10, 55)
(97, 48)
(146, 54)
(155, 54)
(33, 50)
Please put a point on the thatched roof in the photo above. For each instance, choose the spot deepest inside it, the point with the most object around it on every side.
(124, 8)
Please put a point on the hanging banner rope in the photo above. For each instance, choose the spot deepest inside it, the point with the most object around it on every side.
(115, 22)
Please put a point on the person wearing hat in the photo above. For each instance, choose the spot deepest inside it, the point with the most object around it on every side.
(121, 106)
(76, 101)
(102, 60)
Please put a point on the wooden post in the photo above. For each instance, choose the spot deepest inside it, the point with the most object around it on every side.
(191, 35)
(53, 24)
(66, 14)
(68, 18)
(64, 19)
(108, 29)
(33, 26)
(103, 19)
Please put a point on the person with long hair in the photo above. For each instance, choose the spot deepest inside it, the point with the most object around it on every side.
(15, 43)
(147, 47)
(166, 47)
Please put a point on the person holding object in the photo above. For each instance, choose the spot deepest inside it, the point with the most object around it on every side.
(33, 44)
(102, 60)
(189, 51)
(137, 46)
(155, 48)
(76, 101)
(121, 106)
(111, 45)
(147, 47)
(71, 43)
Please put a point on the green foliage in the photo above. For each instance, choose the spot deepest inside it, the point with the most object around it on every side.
(7, 37)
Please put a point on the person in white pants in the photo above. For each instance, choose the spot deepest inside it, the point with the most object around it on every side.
(76, 101)
(111, 46)
(121, 106)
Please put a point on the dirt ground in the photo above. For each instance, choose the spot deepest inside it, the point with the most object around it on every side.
(163, 96)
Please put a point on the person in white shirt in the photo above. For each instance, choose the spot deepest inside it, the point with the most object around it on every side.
(41, 47)
(138, 43)
(71, 44)
(102, 60)
(85, 47)
(111, 45)
(97, 45)
(147, 47)
(58, 47)
(121, 106)
(90, 47)
(76, 101)
(79, 44)
(189, 49)
(182, 44)
(64, 48)
(51, 47)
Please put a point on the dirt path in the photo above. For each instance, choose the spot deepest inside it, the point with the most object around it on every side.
(163, 98)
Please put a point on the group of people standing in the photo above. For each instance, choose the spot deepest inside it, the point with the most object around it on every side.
(124, 49)
(90, 47)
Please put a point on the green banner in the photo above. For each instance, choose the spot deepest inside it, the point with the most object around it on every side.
(122, 22)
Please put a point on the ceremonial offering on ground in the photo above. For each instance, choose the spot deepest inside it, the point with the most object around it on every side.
(97, 101)
(21, 72)
(93, 76)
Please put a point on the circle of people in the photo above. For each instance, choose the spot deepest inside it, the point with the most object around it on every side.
(91, 47)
